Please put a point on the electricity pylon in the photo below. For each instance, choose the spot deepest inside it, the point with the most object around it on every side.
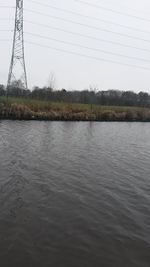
(17, 72)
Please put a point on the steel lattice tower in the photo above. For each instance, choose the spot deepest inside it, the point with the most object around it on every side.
(17, 71)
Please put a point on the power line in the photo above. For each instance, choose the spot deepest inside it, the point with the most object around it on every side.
(95, 5)
(89, 17)
(86, 56)
(5, 40)
(88, 36)
(89, 26)
(112, 10)
(7, 7)
(6, 30)
(124, 6)
(86, 47)
(6, 19)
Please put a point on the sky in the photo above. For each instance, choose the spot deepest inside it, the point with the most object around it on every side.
(102, 44)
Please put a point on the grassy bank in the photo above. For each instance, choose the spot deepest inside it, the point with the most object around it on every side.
(26, 109)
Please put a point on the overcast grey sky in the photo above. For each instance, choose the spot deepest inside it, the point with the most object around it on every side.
(76, 72)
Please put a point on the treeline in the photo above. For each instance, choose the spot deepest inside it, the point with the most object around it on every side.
(110, 97)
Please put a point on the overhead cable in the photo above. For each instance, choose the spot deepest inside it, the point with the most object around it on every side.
(87, 47)
(7, 19)
(7, 7)
(112, 10)
(5, 40)
(89, 17)
(87, 56)
(89, 26)
(87, 36)
(6, 30)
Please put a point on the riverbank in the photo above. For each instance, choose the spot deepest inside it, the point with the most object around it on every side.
(25, 109)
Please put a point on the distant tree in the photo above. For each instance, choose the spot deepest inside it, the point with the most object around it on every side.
(2, 90)
(17, 89)
(18, 84)
(89, 96)
(144, 99)
(129, 98)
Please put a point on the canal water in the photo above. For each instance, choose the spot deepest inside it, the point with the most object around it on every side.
(74, 194)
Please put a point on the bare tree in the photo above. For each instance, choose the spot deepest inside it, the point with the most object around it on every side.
(52, 81)
(93, 90)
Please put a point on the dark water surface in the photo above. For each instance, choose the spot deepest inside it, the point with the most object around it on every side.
(74, 194)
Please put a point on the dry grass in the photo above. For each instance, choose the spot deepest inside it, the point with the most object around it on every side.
(27, 109)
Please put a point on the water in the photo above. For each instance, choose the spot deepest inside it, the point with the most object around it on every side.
(74, 194)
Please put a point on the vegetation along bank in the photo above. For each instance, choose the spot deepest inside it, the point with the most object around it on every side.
(27, 109)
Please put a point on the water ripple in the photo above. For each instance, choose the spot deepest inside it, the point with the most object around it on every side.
(74, 194)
